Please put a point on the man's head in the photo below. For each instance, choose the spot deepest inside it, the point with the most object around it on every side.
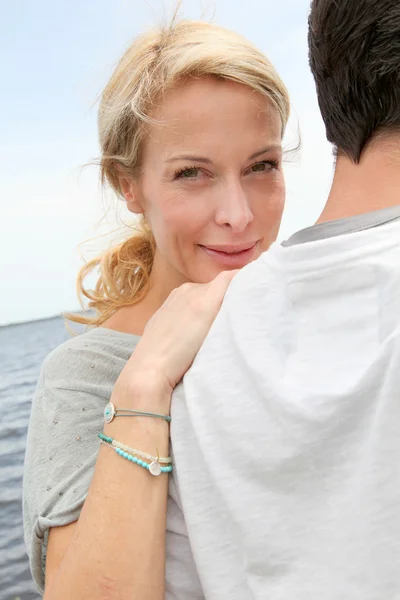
(354, 51)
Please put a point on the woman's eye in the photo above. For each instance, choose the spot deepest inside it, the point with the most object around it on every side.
(189, 173)
(265, 165)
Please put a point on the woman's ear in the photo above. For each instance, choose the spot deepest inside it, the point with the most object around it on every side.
(131, 192)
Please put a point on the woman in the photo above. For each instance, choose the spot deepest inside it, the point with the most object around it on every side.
(190, 125)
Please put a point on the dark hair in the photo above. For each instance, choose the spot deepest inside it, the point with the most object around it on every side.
(354, 52)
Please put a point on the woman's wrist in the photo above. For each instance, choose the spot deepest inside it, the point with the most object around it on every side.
(143, 390)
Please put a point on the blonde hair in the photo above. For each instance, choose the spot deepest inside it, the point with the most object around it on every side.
(155, 63)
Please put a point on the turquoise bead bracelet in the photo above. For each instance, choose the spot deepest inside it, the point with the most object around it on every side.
(138, 453)
(154, 467)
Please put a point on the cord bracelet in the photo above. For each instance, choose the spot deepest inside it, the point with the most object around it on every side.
(111, 411)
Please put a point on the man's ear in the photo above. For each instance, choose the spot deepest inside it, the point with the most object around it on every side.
(131, 193)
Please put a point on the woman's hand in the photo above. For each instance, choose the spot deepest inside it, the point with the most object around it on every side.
(175, 333)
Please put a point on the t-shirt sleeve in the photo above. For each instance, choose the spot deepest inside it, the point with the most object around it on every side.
(62, 443)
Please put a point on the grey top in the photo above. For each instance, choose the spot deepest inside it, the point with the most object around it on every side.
(344, 226)
(75, 384)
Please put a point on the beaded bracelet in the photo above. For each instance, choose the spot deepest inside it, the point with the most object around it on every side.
(110, 412)
(139, 453)
(154, 467)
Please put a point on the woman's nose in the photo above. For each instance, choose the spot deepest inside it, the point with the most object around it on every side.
(233, 208)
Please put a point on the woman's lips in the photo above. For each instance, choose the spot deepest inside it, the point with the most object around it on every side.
(232, 256)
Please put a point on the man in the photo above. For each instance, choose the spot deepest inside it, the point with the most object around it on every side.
(286, 431)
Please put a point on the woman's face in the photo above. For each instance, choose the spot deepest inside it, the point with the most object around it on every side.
(211, 183)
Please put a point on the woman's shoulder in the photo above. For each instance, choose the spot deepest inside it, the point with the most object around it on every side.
(97, 355)
(76, 382)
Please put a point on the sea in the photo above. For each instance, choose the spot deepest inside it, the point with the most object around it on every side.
(23, 348)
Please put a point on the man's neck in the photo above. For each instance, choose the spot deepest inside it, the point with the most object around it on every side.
(371, 185)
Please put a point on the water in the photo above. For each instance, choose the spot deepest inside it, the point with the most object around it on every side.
(22, 350)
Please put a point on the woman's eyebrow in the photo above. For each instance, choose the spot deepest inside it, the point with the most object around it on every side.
(190, 157)
(272, 147)
(202, 159)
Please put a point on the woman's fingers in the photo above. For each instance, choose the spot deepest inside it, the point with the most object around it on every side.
(175, 333)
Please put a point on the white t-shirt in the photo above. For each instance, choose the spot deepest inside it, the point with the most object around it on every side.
(286, 430)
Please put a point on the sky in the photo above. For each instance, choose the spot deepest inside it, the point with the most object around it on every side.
(55, 58)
